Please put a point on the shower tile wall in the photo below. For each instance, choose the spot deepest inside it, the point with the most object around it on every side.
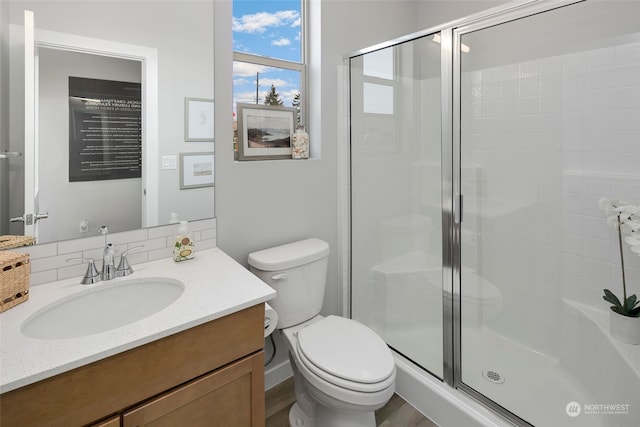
(549, 138)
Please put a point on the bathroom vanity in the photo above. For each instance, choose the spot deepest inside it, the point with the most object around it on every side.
(198, 360)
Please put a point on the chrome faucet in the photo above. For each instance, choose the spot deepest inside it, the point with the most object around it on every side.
(124, 269)
(92, 275)
(109, 271)
(108, 264)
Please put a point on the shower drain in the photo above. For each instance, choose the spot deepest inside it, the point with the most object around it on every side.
(493, 377)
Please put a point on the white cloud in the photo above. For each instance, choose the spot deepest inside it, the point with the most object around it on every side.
(259, 22)
(247, 97)
(289, 95)
(245, 69)
(282, 41)
(278, 83)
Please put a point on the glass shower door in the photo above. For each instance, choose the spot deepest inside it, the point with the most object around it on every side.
(549, 108)
(396, 241)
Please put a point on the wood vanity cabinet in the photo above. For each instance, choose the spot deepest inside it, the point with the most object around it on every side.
(222, 398)
(209, 375)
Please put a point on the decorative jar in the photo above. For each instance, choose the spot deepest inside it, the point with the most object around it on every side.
(300, 144)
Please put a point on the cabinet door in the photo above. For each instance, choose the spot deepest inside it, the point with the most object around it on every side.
(230, 396)
(111, 422)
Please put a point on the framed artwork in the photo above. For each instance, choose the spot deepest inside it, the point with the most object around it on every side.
(196, 170)
(264, 131)
(198, 120)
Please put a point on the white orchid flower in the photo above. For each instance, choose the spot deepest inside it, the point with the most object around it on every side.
(626, 212)
(624, 218)
(634, 225)
(632, 241)
(627, 209)
(608, 205)
(604, 203)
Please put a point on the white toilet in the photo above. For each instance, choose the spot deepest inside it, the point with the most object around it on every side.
(343, 371)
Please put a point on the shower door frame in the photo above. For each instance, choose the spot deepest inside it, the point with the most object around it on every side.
(452, 197)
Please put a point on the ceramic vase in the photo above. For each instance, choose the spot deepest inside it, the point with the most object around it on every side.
(624, 328)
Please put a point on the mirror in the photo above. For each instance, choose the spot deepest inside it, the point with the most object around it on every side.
(80, 199)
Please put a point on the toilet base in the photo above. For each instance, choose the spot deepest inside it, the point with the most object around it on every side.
(297, 418)
(332, 418)
(329, 418)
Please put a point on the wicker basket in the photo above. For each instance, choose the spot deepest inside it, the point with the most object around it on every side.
(8, 241)
(14, 279)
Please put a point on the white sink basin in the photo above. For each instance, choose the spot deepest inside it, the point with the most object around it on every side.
(102, 307)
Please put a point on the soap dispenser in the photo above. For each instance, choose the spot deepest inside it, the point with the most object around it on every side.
(183, 247)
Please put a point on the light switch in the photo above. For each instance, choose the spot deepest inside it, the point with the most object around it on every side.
(169, 162)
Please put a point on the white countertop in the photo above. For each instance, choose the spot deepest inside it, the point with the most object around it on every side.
(215, 286)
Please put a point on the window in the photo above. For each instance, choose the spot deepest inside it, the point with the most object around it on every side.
(269, 55)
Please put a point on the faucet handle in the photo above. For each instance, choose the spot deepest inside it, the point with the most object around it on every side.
(92, 275)
(124, 269)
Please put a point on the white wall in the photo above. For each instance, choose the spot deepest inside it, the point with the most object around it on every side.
(436, 12)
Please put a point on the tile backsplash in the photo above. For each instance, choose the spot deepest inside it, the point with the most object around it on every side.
(49, 260)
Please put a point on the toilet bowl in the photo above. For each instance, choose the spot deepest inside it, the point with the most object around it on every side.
(343, 371)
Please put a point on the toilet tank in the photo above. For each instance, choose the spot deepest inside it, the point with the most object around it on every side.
(298, 273)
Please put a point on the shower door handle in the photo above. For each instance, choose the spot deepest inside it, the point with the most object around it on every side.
(457, 209)
(8, 154)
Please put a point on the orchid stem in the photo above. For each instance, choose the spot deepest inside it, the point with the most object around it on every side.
(624, 285)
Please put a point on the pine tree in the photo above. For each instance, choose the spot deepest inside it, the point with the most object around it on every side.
(272, 97)
(296, 104)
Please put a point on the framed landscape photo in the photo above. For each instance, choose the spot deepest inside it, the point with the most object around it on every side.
(264, 131)
(196, 170)
(198, 120)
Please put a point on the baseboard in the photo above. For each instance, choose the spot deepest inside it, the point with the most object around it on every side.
(276, 374)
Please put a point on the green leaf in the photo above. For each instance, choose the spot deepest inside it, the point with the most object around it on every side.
(610, 297)
(630, 303)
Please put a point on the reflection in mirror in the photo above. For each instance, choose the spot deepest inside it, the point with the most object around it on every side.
(149, 196)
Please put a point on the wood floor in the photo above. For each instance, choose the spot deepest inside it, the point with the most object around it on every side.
(396, 413)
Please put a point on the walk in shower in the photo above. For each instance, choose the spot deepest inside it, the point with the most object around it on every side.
(478, 152)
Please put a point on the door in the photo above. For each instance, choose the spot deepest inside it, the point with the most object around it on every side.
(30, 160)
(548, 126)
(230, 396)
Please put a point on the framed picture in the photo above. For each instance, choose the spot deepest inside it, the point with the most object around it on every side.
(198, 120)
(264, 131)
(196, 170)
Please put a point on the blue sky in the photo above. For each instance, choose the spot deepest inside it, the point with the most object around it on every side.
(268, 28)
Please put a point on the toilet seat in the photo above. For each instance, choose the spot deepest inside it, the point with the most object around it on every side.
(347, 354)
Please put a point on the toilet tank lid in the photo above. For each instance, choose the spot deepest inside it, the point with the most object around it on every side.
(289, 255)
